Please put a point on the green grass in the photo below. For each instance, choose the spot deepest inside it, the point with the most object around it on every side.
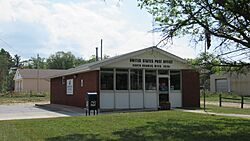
(227, 110)
(215, 97)
(23, 97)
(210, 96)
(163, 125)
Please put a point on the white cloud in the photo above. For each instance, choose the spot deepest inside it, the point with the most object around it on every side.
(82, 23)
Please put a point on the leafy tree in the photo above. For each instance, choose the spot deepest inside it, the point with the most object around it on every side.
(207, 64)
(38, 62)
(91, 59)
(61, 60)
(34, 63)
(17, 61)
(5, 64)
(226, 20)
(207, 61)
(6, 59)
(80, 61)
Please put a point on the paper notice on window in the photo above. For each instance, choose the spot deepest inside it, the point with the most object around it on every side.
(70, 87)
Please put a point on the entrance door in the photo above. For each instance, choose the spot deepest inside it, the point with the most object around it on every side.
(163, 91)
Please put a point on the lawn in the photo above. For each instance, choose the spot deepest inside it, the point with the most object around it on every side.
(23, 97)
(215, 97)
(164, 125)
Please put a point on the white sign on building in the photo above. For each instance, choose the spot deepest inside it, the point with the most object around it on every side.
(70, 86)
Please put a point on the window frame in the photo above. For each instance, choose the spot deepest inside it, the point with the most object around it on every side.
(138, 77)
(119, 71)
(107, 71)
(180, 80)
(145, 83)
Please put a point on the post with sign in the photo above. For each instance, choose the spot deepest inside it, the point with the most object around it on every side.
(91, 103)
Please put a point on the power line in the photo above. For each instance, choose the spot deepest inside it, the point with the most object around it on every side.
(10, 46)
(38, 75)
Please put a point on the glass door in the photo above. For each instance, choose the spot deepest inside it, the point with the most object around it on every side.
(163, 92)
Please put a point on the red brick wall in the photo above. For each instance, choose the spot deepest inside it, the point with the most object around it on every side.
(190, 88)
(58, 90)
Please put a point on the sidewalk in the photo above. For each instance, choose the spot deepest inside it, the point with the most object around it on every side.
(217, 114)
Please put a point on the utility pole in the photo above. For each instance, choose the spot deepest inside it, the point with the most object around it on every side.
(101, 49)
(38, 77)
(96, 54)
(207, 46)
(204, 93)
(153, 33)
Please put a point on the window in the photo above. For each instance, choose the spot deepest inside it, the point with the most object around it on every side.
(150, 79)
(107, 79)
(221, 85)
(136, 79)
(121, 79)
(175, 82)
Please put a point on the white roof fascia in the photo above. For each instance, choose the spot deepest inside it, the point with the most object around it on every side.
(132, 54)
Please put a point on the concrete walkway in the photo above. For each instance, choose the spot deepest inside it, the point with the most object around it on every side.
(217, 114)
(42, 110)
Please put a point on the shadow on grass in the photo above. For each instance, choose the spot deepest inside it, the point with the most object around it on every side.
(173, 129)
(75, 137)
(188, 131)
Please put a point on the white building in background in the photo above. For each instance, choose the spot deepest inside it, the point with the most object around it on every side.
(27, 80)
(230, 82)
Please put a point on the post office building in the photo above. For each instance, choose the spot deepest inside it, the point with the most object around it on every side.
(144, 79)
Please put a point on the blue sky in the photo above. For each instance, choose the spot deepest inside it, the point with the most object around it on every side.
(47, 26)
